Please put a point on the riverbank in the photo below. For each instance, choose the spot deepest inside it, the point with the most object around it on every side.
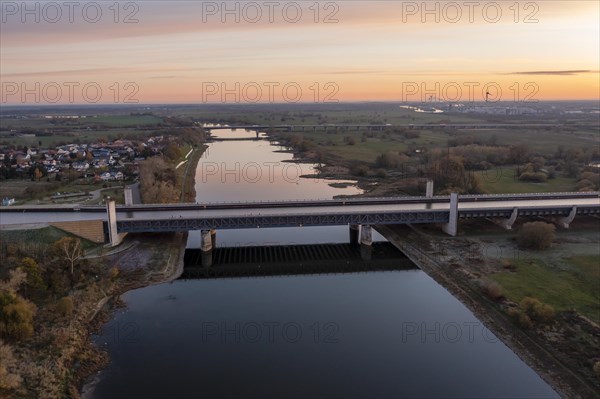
(562, 353)
(149, 260)
(61, 356)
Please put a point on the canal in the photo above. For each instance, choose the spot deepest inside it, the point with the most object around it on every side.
(368, 334)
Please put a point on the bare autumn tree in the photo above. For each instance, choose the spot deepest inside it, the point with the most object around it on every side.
(9, 378)
(70, 248)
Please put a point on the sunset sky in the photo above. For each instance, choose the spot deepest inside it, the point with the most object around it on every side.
(177, 52)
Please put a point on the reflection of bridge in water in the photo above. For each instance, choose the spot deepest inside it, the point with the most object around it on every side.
(294, 260)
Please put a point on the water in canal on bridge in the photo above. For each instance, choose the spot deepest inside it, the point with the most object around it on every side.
(363, 335)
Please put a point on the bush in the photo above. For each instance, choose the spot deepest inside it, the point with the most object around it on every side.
(536, 235)
(65, 306)
(360, 170)
(520, 318)
(538, 177)
(508, 265)
(16, 317)
(537, 311)
(114, 272)
(35, 284)
(492, 290)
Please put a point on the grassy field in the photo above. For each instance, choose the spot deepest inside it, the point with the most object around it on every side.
(503, 180)
(123, 120)
(544, 142)
(47, 235)
(43, 237)
(577, 287)
(340, 113)
(74, 136)
(116, 194)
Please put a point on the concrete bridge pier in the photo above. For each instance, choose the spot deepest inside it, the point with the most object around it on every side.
(366, 235)
(566, 221)
(507, 224)
(451, 228)
(366, 242)
(206, 246)
(114, 238)
(429, 189)
(128, 193)
(354, 230)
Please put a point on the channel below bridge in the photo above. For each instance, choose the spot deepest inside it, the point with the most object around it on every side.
(445, 210)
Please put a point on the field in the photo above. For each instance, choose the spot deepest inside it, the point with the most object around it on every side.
(75, 136)
(123, 120)
(37, 240)
(39, 131)
(576, 286)
(503, 180)
(543, 142)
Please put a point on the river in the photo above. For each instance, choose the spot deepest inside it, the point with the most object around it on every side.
(378, 334)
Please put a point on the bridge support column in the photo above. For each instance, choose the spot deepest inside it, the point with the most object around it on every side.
(128, 196)
(114, 238)
(507, 224)
(451, 228)
(567, 220)
(206, 246)
(366, 235)
(366, 242)
(429, 189)
(354, 230)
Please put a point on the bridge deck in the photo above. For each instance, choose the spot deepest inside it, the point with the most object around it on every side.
(306, 213)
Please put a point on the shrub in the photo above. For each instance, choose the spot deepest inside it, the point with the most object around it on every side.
(34, 285)
(537, 177)
(65, 306)
(492, 290)
(360, 170)
(16, 316)
(508, 265)
(520, 318)
(537, 311)
(114, 272)
(536, 235)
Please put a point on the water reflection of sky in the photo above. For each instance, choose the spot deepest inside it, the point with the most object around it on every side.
(232, 171)
(363, 335)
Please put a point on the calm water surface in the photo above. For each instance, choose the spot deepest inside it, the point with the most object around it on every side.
(365, 335)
